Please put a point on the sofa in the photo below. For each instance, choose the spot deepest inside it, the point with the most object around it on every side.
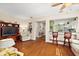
(75, 47)
(10, 52)
(7, 49)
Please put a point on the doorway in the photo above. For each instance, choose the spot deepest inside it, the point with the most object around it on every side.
(40, 29)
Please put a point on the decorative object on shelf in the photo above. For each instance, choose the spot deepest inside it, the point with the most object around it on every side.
(30, 27)
(51, 25)
(67, 22)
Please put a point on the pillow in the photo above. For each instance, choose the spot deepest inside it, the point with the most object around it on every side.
(10, 52)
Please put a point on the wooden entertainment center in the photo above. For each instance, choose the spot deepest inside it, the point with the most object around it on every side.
(9, 30)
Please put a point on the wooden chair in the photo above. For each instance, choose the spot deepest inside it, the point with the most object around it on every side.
(55, 36)
(67, 35)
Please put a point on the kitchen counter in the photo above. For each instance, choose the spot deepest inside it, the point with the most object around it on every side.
(61, 37)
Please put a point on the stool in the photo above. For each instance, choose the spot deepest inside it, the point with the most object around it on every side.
(55, 36)
(67, 35)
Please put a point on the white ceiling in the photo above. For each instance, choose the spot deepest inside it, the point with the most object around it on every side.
(32, 9)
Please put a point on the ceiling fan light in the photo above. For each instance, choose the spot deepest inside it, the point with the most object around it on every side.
(67, 4)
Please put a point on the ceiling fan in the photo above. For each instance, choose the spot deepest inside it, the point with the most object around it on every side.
(64, 5)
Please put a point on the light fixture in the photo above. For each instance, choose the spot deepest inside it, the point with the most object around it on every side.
(64, 5)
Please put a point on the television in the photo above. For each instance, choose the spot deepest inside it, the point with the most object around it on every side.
(6, 31)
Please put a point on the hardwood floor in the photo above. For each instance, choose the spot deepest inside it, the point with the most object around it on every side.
(41, 48)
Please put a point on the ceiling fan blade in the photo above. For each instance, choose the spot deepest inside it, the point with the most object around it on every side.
(56, 4)
(75, 3)
(63, 6)
(61, 9)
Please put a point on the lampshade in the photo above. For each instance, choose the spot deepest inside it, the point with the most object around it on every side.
(5, 43)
